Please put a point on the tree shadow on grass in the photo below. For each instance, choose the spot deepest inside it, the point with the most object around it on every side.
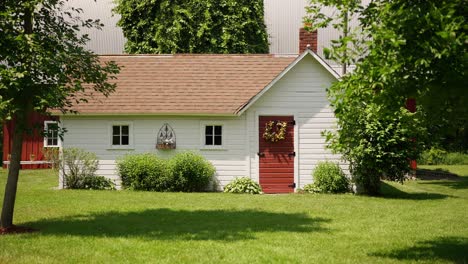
(458, 185)
(388, 191)
(453, 249)
(168, 224)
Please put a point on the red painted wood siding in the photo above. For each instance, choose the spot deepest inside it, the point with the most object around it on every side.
(411, 104)
(276, 164)
(32, 143)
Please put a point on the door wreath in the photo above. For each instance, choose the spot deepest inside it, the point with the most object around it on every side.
(275, 131)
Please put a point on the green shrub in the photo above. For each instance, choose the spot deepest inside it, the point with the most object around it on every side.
(190, 172)
(144, 172)
(311, 188)
(437, 156)
(433, 156)
(329, 178)
(243, 185)
(79, 168)
(186, 172)
(456, 158)
(94, 182)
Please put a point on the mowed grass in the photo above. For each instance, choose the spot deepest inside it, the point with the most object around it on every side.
(420, 221)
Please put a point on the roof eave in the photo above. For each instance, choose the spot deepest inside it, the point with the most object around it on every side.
(147, 114)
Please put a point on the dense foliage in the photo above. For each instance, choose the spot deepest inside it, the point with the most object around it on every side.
(143, 172)
(328, 178)
(79, 168)
(422, 45)
(193, 26)
(415, 49)
(44, 65)
(376, 142)
(243, 185)
(437, 156)
(190, 172)
(186, 172)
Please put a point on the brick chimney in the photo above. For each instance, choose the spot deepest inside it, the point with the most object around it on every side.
(307, 38)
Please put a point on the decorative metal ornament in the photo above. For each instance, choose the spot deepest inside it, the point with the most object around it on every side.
(166, 138)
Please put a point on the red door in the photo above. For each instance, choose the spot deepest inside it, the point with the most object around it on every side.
(276, 158)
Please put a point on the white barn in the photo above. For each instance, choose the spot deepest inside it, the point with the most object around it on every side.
(218, 106)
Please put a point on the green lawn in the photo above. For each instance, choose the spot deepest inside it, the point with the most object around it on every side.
(420, 221)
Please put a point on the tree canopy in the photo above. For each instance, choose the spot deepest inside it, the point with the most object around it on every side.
(193, 26)
(414, 49)
(44, 65)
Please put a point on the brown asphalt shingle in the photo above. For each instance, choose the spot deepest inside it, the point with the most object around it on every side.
(185, 84)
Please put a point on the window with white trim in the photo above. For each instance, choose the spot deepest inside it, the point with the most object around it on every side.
(213, 135)
(120, 135)
(51, 130)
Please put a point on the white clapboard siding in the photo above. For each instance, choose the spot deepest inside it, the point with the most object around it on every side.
(92, 134)
(301, 93)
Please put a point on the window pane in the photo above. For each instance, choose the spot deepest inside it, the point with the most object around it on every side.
(208, 140)
(115, 130)
(125, 130)
(124, 140)
(218, 130)
(217, 140)
(209, 130)
(51, 134)
(116, 140)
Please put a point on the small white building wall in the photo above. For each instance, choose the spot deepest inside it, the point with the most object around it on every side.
(92, 134)
(301, 93)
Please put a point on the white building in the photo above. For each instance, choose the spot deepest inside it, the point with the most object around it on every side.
(217, 105)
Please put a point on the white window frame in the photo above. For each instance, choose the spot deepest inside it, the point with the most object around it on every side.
(203, 125)
(46, 129)
(130, 135)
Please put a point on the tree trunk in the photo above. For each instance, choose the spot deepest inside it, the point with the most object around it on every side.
(345, 35)
(13, 172)
(6, 219)
(367, 181)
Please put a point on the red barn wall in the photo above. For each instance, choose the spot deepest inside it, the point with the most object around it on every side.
(32, 142)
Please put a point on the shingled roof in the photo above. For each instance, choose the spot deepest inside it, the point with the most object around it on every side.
(186, 84)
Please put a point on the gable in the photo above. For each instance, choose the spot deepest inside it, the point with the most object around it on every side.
(306, 78)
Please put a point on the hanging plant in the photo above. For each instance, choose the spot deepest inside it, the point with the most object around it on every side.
(275, 131)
